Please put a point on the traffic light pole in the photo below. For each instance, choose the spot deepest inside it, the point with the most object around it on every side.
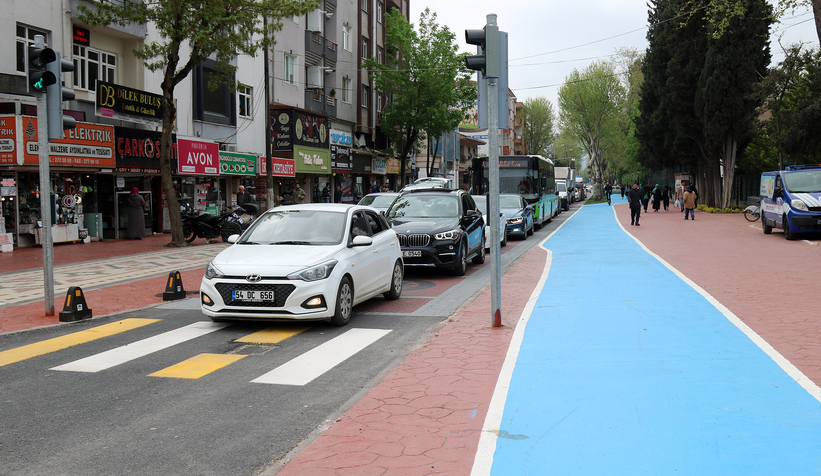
(45, 197)
(494, 208)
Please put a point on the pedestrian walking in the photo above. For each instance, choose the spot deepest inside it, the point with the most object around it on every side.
(634, 198)
(648, 192)
(693, 188)
(665, 197)
(136, 215)
(243, 197)
(690, 203)
(338, 194)
(608, 190)
(657, 198)
(326, 194)
(299, 195)
(623, 190)
(680, 197)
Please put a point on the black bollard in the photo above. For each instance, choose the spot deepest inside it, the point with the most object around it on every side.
(75, 308)
(174, 289)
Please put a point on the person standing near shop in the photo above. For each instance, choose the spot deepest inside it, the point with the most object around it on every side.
(136, 218)
(299, 195)
(338, 194)
(326, 194)
(690, 203)
(243, 197)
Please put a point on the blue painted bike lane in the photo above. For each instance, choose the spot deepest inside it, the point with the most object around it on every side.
(625, 369)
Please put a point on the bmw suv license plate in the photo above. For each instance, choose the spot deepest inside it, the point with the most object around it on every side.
(411, 253)
(252, 296)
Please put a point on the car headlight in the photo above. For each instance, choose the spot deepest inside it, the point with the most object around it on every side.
(799, 205)
(449, 235)
(515, 221)
(315, 273)
(212, 271)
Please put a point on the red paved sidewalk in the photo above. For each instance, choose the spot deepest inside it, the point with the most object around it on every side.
(768, 282)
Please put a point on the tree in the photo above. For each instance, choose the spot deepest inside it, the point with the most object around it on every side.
(589, 104)
(720, 13)
(537, 125)
(426, 82)
(198, 30)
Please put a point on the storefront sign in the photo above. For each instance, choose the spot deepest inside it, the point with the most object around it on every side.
(341, 143)
(232, 163)
(279, 167)
(81, 35)
(119, 102)
(378, 166)
(392, 166)
(310, 160)
(8, 130)
(291, 128)
(88, 144)
(361, 164)
(138, 150)
(197, 157)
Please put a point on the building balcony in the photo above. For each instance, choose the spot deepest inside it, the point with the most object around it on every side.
(319, 45)
(315, 101)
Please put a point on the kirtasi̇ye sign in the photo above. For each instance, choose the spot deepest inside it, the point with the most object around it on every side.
(197, 157)
(279, 167)
(232, 163)
(310, 160)
(88, 144)
(119, 102)
(290, 128)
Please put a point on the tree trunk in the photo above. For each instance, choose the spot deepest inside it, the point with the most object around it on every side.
(730, 153)
(169, 112)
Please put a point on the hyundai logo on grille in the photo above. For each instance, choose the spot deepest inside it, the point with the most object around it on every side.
(253, 278)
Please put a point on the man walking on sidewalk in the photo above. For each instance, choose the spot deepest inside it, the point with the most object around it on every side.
(690, 203)
(634, 198)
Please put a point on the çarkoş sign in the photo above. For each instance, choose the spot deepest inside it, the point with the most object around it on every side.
(196, 157)
(138, 150)
(119, 102)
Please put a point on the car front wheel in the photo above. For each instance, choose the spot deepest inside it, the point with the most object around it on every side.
(396, 282)
(480, 258)
(462, 264)
(788, 234)
(344, 303)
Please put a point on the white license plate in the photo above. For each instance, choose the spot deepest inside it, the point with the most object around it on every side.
(252, 296)
(412, 254)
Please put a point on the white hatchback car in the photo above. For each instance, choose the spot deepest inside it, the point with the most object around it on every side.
(304, 262)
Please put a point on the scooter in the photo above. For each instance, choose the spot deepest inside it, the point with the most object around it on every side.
(201, 224)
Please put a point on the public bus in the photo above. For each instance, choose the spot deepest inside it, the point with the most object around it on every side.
(531, 176)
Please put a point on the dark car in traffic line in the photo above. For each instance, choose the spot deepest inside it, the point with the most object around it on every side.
(518, 214)
(438, 228)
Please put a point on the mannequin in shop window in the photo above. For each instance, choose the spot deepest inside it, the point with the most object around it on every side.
(136, 218)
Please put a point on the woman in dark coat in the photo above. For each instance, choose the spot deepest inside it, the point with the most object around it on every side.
(657, 198)
(136, 219)
(665, 197)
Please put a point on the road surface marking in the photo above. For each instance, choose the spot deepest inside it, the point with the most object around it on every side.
(310, 365)
(135, 350)
(197, 366)
(63, 342)
(271, 335)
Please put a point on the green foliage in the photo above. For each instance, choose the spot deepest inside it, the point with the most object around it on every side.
(537, 125)
(427, 84)
(707, 209)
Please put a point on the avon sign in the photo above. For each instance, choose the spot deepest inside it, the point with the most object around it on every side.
(195, 157)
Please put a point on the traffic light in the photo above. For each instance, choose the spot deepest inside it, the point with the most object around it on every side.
(56, 94)
(487, 61)
(38, 77)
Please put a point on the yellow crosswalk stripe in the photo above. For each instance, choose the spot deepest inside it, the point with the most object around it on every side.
(197, 366)
(272, 335)
(59, 343)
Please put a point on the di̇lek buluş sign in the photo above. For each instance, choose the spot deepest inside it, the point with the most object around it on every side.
(119, 102)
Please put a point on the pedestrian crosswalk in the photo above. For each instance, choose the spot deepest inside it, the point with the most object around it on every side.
(298, 371)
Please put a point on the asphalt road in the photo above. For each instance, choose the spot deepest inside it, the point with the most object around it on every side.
(132, 402)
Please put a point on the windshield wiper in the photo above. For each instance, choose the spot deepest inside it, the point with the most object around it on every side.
(248, 243)
(290, 243)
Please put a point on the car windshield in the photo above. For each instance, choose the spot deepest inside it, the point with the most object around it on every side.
(804, 181)
(561, 186)
(510, 202)
(296, 227)
(424, 206)
(378, 201)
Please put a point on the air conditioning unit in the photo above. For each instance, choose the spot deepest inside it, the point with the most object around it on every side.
(315, 77)
(228, 147)
(316, 19)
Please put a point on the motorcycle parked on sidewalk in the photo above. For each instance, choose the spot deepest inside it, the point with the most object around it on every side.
(201, 224)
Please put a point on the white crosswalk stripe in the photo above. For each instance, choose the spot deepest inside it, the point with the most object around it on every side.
(310, 365)
(121, 355)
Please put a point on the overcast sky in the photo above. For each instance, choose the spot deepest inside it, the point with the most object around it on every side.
(548, 39)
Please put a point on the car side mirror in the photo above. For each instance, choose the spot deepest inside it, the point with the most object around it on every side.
(472, 214)
(777, 193)
(362, 240)
(233, 238)
(529, 208)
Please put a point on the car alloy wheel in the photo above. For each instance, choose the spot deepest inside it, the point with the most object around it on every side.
(396, 282)
(462, 265)
(344, 303)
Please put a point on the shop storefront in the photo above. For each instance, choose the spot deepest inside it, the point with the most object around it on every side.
(282, 170)
(392, 174)
(341, 142)
(304, 137)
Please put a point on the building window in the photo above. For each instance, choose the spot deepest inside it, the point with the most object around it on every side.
(346, 90)
(365, 5)
(365, 95)
(290, 70)
(217, 105)
(379, 54)
(379, 12)
(346, 37)
(25, 37)
(364, 48)
(246, 97)
(91, 65)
